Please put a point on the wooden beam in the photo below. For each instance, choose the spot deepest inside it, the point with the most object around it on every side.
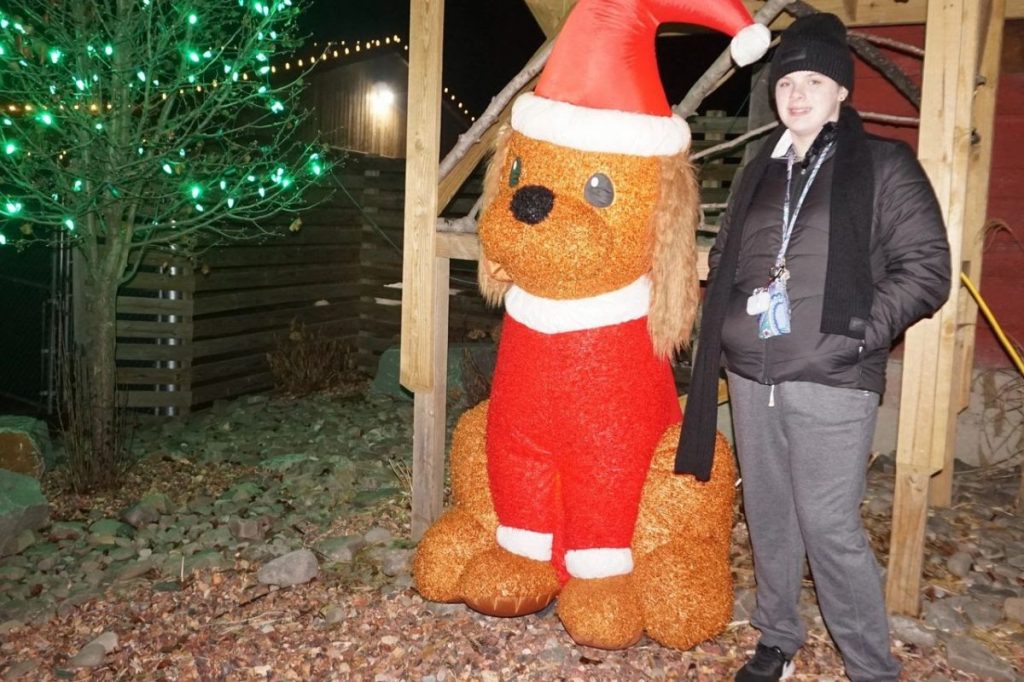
(426, 31)
(550, 14)
(875, 12)
(429, 408)
(927, 414)
(976, 178)
(978, 181)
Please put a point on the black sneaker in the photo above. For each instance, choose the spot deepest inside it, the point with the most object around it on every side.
(768, 664)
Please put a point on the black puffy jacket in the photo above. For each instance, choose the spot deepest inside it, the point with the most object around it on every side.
(909, 265)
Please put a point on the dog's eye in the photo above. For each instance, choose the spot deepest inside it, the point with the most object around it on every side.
(516, 172)
(599, 191)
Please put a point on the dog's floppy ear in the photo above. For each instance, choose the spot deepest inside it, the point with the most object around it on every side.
(674, 284)
(491, 287)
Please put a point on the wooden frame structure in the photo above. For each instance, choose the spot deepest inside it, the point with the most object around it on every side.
(961, 72)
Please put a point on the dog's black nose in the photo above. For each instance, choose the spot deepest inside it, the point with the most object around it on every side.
(532, 204)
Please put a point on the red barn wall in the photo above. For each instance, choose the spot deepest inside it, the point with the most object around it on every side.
(1002, 282)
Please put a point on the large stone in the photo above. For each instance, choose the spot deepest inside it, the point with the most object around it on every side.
(469, 364)
(911, 631)
(294, 568)
(25, 445)
(22, 507)
(971, 656)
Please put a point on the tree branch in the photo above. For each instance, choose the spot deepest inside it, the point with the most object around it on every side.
(494, 109)
(722, 67)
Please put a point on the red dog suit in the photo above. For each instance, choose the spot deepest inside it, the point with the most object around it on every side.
(573, 422)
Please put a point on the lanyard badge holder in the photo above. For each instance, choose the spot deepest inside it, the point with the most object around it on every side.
(771, 302)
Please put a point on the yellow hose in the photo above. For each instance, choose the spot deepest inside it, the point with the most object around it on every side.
(1014, 355)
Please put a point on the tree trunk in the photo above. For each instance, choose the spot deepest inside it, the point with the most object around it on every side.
(99, 434)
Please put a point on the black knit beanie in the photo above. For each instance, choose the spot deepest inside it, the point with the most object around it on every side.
(816, 42)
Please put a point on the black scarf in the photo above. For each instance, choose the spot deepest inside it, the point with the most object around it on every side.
(848, 283)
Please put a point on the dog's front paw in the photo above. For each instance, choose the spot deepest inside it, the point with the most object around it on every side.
(500, 583)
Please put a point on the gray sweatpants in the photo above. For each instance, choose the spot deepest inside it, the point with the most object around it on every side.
(804, 465)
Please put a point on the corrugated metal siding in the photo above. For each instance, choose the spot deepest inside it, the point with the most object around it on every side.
(341, 100)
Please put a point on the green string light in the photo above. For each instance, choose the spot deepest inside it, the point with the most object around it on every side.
(70, 90)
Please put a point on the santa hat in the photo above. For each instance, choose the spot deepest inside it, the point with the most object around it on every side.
(601, 90)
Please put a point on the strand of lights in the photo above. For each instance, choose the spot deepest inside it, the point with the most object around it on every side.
(332, 50)
(339, 49)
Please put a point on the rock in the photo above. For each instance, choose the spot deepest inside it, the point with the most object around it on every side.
(22, 507)
(249, 529)
(910, 631)
(971, 656)
(333, 614)
(341, 549)
(139, 515)
(90, 656)
(1013, 608)
(283, 462)
(983, 615)
(396, 562)
(942, 616)
(377, 536)
(242, 492)
(66, 530)
(23, 541)
(21, 669)
(13, 574)
(959, 564)
(111, 528)
(25, 445)
(294, 568)
(135, 569)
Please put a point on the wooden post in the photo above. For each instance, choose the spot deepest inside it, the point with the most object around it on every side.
(978, 186)
(426, 269)
(927, 411)
(421, 291)
(426, 31)
(429, 417)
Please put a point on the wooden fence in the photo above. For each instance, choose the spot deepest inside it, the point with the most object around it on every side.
(192, 333)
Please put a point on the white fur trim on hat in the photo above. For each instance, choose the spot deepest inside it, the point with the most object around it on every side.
(599, 130)
(750, 44)
(555, 316)
(598, 563)
(527, 543)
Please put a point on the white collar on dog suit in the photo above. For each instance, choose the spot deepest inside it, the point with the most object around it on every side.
(555, 316)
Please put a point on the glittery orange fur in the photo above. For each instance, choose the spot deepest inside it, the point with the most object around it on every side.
(680, 591)
(580, 250)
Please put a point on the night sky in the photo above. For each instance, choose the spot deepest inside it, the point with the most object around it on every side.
(488, 41)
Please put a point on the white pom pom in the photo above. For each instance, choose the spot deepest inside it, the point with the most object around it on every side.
(750, 44)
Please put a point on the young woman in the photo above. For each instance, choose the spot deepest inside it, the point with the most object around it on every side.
(833, 244)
